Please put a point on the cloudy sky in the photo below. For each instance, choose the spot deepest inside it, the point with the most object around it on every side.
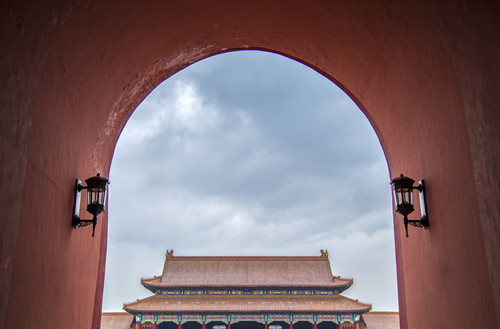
(250, 153)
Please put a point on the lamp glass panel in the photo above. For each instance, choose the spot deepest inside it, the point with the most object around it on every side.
(102, 194)
(91, 196)
(406, 196)
(403, 196)
(397, 196)
(96, 196)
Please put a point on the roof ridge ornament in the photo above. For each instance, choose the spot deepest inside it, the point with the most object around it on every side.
(324, 253)
(170, 253)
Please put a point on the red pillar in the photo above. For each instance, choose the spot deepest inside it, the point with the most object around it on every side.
(265, 325)
(315, 325)
(229, 325)
(155, 325)
(356, 325)
(138, 325)
(179, 326)
(203, 325)
(291, 325)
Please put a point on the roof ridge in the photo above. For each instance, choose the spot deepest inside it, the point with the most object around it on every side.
(246, 258)
(169, 256)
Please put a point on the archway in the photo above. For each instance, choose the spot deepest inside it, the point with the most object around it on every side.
(303, 325)
(327, 325)
(168, 325)
(278, 325)
(192, 325)
(247, 325)
(250, 153)
(423, 73)
(216, 325)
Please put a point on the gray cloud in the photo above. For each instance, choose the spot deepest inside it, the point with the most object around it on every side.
(250, 153)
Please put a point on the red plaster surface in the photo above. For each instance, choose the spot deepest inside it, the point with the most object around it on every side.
(426, 74)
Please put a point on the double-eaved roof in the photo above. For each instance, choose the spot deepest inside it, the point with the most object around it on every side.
(247, 285)
(262, 272)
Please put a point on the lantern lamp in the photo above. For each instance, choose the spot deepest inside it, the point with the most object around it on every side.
(402, 188)
(97, 188)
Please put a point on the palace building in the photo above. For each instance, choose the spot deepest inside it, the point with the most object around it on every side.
(247, 293)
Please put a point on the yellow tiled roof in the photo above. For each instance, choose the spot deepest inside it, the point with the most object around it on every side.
(220, 304)
(247, 272)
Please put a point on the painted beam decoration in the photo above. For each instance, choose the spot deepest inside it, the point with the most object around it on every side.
(242, 292)
(261, 318)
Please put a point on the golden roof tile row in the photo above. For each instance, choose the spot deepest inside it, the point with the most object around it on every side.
(221, 304)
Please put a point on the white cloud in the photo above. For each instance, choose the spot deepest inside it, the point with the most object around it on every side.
(181, 109)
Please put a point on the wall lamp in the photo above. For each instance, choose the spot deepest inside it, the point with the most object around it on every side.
(97, 187)
(403, 196)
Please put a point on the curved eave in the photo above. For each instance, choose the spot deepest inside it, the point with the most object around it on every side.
(147, 283)
(155, 288)
(248, 304)
(154, 284)
(345, 286)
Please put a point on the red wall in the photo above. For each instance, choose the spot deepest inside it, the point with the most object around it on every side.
(425, 74)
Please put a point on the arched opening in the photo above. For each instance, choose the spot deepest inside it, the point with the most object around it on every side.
(168, 325)
(327, 325)
(216, 325)
(247, 325)
(289, 162)
(303, 325)
(278, 325)
(192, 325)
